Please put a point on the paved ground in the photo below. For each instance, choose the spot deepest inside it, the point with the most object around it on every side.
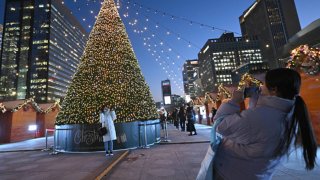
(178, 159)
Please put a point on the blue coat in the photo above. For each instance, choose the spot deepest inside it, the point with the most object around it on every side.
(251, 137)
(106, 119)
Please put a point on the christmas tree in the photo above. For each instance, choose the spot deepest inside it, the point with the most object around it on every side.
(108, 74)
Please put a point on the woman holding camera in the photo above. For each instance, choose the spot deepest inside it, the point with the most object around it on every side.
(257, 139)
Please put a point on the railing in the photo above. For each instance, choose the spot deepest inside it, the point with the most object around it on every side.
(145, 124)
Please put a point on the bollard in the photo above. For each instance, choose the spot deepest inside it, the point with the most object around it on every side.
(166, 135)
(46, 136)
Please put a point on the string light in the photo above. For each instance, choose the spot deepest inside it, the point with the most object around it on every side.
(139, 9)
(174, 17)
(35, 105)
(166, 51)
(306, 59)
(108, 74)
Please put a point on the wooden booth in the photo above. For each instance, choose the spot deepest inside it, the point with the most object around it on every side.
(25, 119)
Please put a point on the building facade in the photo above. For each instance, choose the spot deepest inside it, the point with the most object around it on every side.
(219, 57)
(274, 22)
(42, 47)
(1, 31)
(190, 73)
(166, 92)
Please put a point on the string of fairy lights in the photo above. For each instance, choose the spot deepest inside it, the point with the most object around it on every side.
(35, 105)
(108, 75)
(306, 59)
(135, 14)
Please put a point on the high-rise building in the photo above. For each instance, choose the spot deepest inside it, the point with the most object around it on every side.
(1, 31)
(190, 73)
(274, 22)
(219, 57)
(166, 92)
(42, 46)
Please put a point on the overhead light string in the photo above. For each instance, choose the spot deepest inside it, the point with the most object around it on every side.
(173, 17)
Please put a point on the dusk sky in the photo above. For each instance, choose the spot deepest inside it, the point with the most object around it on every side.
(175, 39)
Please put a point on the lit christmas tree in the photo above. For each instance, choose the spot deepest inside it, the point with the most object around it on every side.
(109, 74)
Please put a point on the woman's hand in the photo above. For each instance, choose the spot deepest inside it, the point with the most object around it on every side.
(237, 96)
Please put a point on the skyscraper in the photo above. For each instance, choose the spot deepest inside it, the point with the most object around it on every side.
(1, 31)
(219, 57)
(166, 92)
(190, 73)
(274, 22)
(42, 46)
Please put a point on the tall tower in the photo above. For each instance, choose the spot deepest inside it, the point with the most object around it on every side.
(166, 92)
(190, 73)
(1, 31)
(274, 22)
(42, 46)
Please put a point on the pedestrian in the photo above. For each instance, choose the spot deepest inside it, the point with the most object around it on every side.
(256, 140)
(175, 119)
(199, 115)
(163, 118)
(191, 120)
(182, 118)
(213, 113)
(107, 116)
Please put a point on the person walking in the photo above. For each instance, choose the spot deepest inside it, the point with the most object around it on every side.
(163, 117)
(175, 118)
(191, 120)
(256, 140)
(213, 113)
(107, 116)
(182, 118)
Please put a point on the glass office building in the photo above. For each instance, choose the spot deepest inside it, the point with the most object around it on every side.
(219, 57)
(274, 22)
(42, 47)
(1, 30)
(190, 73)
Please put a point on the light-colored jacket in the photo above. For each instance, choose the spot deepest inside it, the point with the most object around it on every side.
(251, 138)
(106, 119)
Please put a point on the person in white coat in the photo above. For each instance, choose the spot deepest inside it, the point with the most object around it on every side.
(257, 139)
(107, 117)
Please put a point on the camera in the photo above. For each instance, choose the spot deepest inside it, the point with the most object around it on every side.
(249, 91)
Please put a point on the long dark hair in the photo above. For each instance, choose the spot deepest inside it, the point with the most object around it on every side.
(286, 83)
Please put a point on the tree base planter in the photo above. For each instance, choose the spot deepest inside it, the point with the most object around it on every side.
(84, 137)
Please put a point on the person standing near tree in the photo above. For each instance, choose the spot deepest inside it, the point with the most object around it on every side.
(107, 116)
(163, 117)
(175, 118)
(182, 118)
(191, 120)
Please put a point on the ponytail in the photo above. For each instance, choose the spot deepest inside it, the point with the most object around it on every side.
(287, 83)
(309, 145)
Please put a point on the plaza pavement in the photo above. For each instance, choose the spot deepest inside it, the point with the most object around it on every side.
(177, 159)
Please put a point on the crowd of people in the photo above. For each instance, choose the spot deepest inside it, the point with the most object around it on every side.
(183, 118)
